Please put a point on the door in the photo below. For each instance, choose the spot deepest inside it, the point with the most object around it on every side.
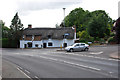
(76, 47)
(44, 45)
(82, 46)
(65, 44)
(25, 45)
(29, 44)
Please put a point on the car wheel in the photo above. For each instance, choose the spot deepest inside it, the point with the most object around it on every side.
(86, 49)
(71, 50)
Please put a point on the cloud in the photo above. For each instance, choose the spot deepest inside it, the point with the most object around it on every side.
(25, 7)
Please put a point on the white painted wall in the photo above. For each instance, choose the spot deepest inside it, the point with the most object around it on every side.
(22, 42)
(55, 42)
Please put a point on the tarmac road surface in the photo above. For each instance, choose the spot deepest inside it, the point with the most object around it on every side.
(49, 63)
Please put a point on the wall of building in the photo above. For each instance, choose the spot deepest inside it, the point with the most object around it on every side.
(58, 43)
(55, 43)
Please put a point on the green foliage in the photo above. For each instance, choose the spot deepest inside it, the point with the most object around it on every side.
(111, 40)
(77, 17)
(10, 37)
(99, 26)
(112, 34)
(4, 29)
(84, 36)
(6, 43)
(5, 32)
(96, 24)
(16, 29)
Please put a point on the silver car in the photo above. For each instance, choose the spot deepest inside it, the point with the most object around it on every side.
(78, 47)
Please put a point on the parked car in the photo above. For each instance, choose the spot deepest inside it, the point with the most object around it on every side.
(78, 47)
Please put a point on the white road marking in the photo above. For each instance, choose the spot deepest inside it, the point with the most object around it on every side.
(97, 53)
(27, 71)
(19, 67)
(71, 63)
(24, 73)
(95, 56)
(110, 72)
(16, 53)
(36, 77)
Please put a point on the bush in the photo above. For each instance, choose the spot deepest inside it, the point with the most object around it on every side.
(82, 40)
(8, 43)
(5, 42)
(112, 34)
(111, 40)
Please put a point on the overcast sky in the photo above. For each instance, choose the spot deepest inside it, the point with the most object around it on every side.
(48, 13)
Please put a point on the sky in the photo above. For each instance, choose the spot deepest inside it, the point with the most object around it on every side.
(48, 13)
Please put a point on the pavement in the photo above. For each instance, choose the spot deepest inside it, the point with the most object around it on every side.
(10, 70)
(115, 55)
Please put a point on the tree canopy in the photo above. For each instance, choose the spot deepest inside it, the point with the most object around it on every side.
(96, 23)
(16, 27)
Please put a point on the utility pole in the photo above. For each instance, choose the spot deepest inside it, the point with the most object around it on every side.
(64, 17)
(64, 25)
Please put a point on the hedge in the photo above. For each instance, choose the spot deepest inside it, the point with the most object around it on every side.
(8, 43)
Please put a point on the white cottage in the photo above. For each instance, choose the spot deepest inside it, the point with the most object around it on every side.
(47, 37)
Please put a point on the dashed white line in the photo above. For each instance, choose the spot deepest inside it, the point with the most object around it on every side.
(36, 77)
(110, 72)
(19, 67)
(71, 63)
(27, 71)
(97, 53)
(24, 74)
(95, 68)
(97, 57)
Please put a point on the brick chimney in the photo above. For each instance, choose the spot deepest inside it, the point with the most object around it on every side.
(29, 25)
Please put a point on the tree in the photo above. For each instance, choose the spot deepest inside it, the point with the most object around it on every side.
(16, 28)
(84, 36)
(97, 24)
(100, 25)
(4, 30)
(76, 17)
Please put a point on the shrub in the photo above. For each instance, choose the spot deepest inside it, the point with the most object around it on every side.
(5, 42)
(8, 43)
(111, 40)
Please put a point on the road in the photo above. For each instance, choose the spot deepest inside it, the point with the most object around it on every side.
(50, 63)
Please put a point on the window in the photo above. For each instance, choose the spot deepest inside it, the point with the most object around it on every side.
(37, 37)
(77, 45)
(50, 44)
(82, 44)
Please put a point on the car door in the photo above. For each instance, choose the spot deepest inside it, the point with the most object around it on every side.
(76, 47)
(82, 46)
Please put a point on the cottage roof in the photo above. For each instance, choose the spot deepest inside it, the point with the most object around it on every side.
(56, 33)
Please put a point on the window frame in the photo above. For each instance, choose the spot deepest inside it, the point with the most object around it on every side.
(50, 44)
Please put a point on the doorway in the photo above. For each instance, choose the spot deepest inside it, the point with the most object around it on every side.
(29, 44)
(65, 44)
(25, 45)
(44, 45)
